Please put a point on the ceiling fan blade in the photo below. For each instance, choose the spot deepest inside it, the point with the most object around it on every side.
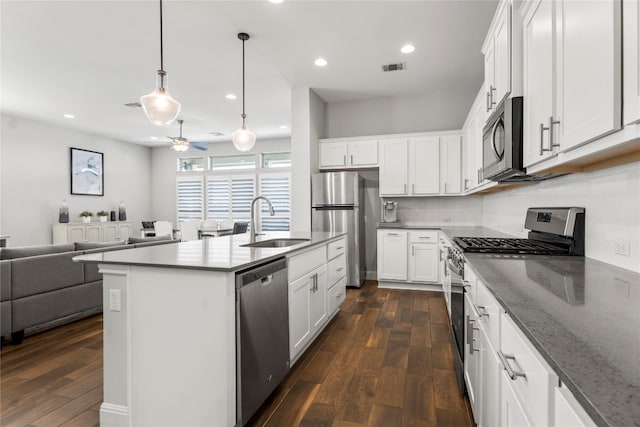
(200, 143)
(198, 147)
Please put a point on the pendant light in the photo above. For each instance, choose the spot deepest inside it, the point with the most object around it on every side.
(243, 138)
(160, 108)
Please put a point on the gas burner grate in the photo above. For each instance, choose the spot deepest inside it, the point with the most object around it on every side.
(507, 246)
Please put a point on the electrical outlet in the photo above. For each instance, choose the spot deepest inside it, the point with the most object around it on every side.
(115, 300)
(621, 247)
(365, 218)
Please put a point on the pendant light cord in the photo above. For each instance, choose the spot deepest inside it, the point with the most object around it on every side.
(243, 113)
(161, 47)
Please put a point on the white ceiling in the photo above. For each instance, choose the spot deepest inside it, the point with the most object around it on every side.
(90, 57)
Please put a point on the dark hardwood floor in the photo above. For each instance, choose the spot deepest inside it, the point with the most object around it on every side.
(384, 360)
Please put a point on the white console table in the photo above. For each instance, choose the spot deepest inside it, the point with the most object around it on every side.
(109, 231)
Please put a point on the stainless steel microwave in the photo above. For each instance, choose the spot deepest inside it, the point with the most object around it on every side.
(502, 143)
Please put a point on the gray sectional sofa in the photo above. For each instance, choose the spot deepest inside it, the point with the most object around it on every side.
(42, 287)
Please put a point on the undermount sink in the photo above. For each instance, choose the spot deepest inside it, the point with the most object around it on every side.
(276, 243)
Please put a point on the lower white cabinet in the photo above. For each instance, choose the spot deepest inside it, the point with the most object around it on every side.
(489, 389)
(94, 232)
(567, 410)
(392, 255)
(472, 356)
(512, 414)
(408, 256)
(317, 287)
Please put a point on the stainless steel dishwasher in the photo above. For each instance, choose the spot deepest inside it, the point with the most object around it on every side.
(262, 340)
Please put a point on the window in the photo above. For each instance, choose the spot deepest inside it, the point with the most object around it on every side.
(190, 197)
(190, 164)
(229, 197)
(225, 191)
(276, 160)
(277, 188)
(225, 163)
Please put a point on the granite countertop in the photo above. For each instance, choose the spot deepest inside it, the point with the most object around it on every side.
(218, 254)
(582, 315)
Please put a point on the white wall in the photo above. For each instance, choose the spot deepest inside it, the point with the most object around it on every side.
(308, 122)
(439, 211)
(421, 112)
(165, 164)
(35, 178)
(611, 198)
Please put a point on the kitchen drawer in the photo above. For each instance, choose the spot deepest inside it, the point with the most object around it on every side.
(470, 279)
(336, 295)
(423, 236)
(533, 381)
(489, 311)
(305, 262)
(336, 269)
(336, 248)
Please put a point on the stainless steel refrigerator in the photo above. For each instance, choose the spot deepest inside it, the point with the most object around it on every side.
(337, 204)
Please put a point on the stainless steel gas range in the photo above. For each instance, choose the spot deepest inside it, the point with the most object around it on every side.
(552, 231)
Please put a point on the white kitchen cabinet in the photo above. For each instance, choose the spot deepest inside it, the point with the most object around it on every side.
(529, 376)
(497, 57)
(393, 167)
(512, 414)
(450, 164)
(567, 410)
(489, 389)
(575, 96)
(423, 256)
(631, 58)
(424, 166)
(307, 298)
(472, 144)
(427, 165)
(392, 255)
(472, 356)
(345, 154)
(336, 275)
(94, 232)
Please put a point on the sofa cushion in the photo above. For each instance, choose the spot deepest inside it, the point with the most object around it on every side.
(133, 240)
(43, 273)
(83, 246)
(5, 280)
(26, 251)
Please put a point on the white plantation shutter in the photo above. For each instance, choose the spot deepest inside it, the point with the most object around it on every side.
(218, 199)
(190, 197)
(243, 190)
(277, 187)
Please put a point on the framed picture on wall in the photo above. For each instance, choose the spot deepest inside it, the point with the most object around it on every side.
(87, 172)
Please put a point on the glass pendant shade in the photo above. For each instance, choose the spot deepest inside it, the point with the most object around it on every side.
(159, 106)
(243, 139)
(180, 146)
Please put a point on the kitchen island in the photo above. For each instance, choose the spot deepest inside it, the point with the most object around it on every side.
(170, 327)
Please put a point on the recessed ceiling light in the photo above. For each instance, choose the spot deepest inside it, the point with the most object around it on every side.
(230, 96)
(320, 62)
(284, 127)
(276, 1)
(153, 137)
(69, 116)
(408, 48)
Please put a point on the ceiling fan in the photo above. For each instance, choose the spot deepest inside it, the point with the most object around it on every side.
(180, 143)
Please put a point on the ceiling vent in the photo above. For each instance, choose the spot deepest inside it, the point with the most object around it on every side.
(394, 67)
(216, 133)
(133, 105)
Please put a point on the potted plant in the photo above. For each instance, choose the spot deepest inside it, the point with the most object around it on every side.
(103, 215)
(86, 216)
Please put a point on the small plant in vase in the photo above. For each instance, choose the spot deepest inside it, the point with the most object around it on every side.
(103, 216)
(86, 216)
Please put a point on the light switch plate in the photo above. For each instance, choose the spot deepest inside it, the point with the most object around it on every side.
(115, 300)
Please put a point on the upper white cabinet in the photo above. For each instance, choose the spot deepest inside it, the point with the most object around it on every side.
(450, 164)
(472, 144)
(345, 154)
(497, 58)
(631, 54)
(572, 79)
(427, 165)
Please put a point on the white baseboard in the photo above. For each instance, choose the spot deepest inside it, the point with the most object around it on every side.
(433, 287)
(112, 415)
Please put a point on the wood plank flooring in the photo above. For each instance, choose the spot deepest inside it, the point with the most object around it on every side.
(384, 360)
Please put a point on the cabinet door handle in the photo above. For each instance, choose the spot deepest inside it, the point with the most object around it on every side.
(413, 188)
(424, 237)
(405, 189)
(470, 339)
(339, 247)
(466, 183)
(491, 90)
(551, 123)
(339, 295)
(392, 234)
(504, 358)
(488, 101)
(316, 281)
(542, 149)
(344, 160)
(413, 250)
(445, 187)
(482, 310)
(352, 159)
(340, 269)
